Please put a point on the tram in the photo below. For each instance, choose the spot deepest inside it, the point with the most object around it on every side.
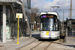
(49, 25)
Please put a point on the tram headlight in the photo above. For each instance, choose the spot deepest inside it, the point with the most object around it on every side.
(56, 34)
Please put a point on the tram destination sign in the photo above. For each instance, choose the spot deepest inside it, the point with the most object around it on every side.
(45, 16)
(8, 0)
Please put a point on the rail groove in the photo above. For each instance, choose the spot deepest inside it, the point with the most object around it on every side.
(48, 46)
(36, 45)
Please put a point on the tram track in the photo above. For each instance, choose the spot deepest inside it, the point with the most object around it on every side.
(45, 48)
(36, 45)
(39, 42)
(48, 45)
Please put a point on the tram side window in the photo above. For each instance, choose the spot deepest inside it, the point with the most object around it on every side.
(42, 24)
(57, 25)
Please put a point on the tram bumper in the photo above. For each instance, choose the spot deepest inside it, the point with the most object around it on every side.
(44, 37)
(54, 37)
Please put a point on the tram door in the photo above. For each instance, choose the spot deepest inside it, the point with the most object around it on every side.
(71, 32)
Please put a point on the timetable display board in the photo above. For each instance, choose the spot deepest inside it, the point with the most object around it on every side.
(8, 0)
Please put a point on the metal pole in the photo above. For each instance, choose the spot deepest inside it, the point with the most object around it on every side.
(18, 32)
(66, 35)
(4, 23)
(71, 10)
(63, 21)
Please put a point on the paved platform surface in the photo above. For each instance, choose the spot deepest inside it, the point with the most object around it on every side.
(27, 43)
(13, 46)
(47, 45)
(70, 41)
(60, 46)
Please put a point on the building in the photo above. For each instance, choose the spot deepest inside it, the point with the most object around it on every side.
(70, 32)
(8, 20)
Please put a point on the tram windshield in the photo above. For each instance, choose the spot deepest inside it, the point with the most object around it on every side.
(49, 24)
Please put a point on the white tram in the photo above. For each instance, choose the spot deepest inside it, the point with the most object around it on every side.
(49, 25)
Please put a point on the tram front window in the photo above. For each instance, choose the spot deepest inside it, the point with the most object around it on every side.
(47, 24)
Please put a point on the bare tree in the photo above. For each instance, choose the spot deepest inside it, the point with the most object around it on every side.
(34, 9)
(34, 12)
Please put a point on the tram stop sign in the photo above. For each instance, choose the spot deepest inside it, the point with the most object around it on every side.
(19, 14)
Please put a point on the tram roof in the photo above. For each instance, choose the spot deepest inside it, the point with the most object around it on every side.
(54, 13)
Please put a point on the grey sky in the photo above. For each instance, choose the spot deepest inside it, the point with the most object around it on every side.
(64, 4)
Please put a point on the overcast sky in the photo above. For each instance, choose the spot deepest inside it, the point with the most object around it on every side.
(46, 4)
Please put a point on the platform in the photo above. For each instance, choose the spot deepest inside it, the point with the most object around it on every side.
(70, 41)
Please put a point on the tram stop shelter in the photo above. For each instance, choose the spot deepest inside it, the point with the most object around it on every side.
(70, 32)
(5, 12)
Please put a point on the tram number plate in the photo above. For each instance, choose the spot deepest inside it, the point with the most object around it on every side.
(47, 32)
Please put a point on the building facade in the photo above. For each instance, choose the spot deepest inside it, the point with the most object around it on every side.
(8, 20)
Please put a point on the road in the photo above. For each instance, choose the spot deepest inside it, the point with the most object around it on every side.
(46, 45)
